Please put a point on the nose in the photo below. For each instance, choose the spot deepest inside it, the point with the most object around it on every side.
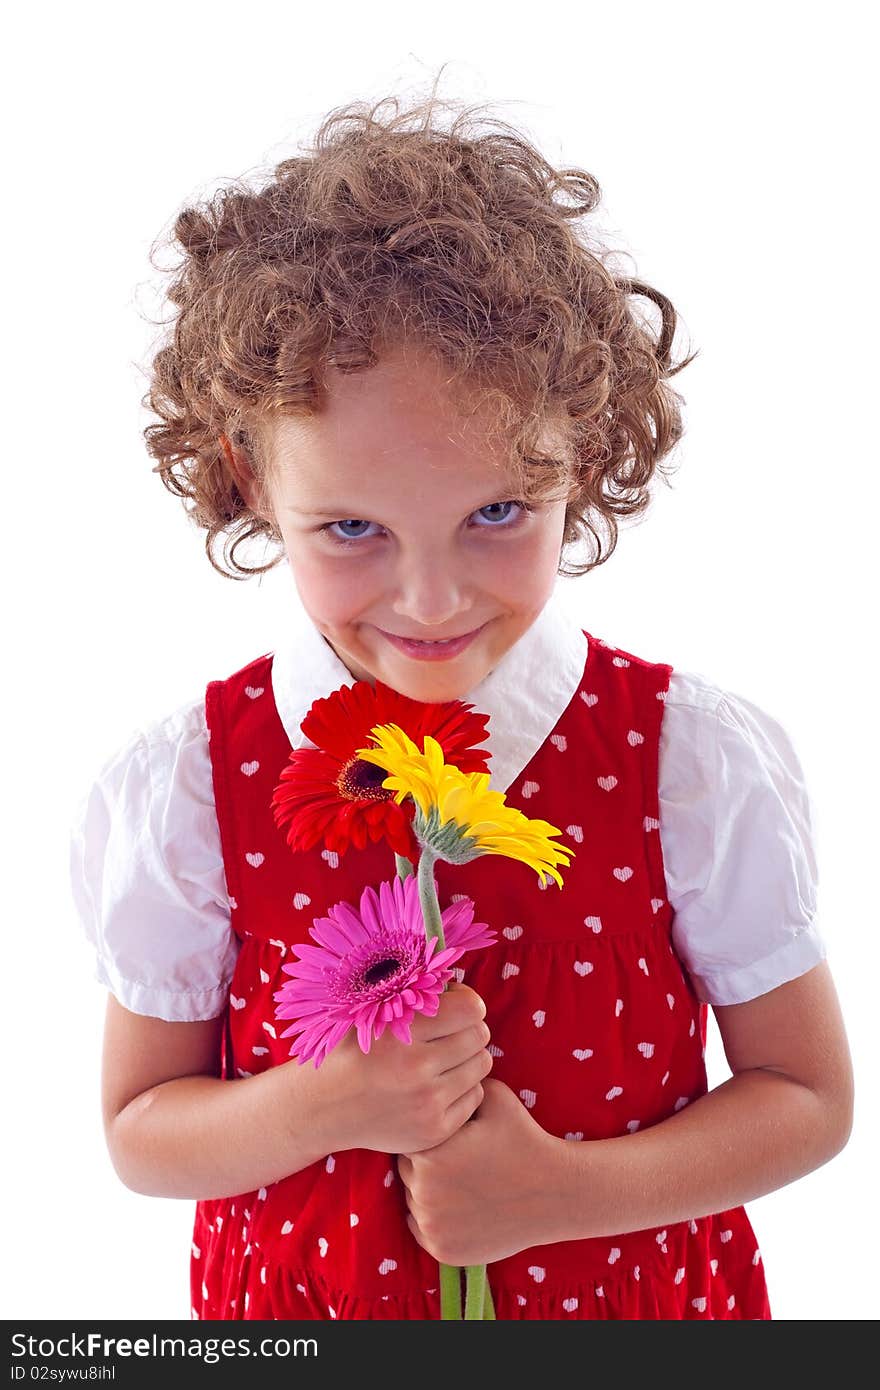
(431, 592)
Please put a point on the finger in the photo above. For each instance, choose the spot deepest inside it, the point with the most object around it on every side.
(465, 1107)
(460, 1047)
(454, 1082)
(457, 1010)
(416, 1230)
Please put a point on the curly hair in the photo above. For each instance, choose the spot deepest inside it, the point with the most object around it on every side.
(392, 230)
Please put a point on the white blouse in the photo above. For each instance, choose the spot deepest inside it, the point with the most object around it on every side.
(735, 825)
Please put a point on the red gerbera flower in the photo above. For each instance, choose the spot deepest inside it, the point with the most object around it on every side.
(329, 795)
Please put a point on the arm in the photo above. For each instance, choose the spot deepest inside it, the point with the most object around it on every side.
(787, 1110)
(175, 1128)
(503, 1183)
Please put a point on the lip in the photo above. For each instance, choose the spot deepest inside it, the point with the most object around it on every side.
(431, 651)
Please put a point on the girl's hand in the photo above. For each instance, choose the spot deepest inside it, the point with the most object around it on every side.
(401, 1097)
(486, 1192)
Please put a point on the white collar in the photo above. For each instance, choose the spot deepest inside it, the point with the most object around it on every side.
(524, 695)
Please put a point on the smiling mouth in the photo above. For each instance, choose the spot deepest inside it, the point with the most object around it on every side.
(431, 641)
(433, 646)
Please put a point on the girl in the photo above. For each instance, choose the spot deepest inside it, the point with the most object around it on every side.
(400, 364)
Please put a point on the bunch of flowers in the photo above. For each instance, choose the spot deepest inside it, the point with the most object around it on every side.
(423, 787)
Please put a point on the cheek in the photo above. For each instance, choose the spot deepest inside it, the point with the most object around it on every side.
(524, 569)
(326, 589)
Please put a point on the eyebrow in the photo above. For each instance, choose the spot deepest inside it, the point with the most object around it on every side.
(347, 512)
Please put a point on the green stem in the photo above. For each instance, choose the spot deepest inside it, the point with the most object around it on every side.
(428, 898)
(475, 1293)
(489, 1306)
(404, 866)
(450, 1293)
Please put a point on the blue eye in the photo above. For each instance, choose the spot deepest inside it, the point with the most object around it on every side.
(494, 522)
(346, 536)
(493, 507)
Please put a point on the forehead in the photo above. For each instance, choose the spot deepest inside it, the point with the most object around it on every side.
(401, 422)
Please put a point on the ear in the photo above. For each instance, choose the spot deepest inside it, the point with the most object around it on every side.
(243, 478)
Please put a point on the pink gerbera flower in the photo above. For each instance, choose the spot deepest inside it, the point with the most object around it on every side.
(372, 969)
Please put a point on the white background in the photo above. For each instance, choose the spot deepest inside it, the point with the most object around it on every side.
(732, 146)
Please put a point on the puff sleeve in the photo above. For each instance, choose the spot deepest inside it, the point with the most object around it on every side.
(737, 835)
(147, 874)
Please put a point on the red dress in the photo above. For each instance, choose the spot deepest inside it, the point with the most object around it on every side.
(594, 1023)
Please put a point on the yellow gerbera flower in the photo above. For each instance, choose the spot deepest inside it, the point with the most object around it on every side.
(458, 817)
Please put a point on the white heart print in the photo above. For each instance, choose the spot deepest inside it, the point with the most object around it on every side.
(253, 692)
(237, 1003)
(643, 964)
(322, 1246)
(250, 768)
(614, 1093)
(301, 900)
(559, 741)
(699, 1304)
(589, 699)
(331, 1163)
(582, 1053)
(646, 1049)
(583, 967)
(330, 857)
(508, 970)
(651, 823)
(613, 1254)
(528, 1098)
(618, 1008)
(619, 661)
(260, 1051)
(270, 1029)
(353, 1219)
(537, 1273)
(633, 738)
(512, 933)
(538, 1018)
(594, 923)
(656, 904)
(387, 1266)
(287, 1228)
(623, 874)
(569, 1304)
(264, 976)
(576, 832)
(607, 783)
(529, 788)
(255, 860)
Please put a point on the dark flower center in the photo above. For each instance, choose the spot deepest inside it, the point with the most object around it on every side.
(362, 781)
(381, 971)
